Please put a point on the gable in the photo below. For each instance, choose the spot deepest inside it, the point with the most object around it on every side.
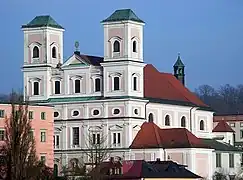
(74, 60)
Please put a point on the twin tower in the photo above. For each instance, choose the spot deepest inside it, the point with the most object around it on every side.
(43, 46)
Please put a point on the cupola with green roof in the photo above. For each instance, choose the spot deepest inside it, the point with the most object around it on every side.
(43, 21)
(179, 70)
(123, 15)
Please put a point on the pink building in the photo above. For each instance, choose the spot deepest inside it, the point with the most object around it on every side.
(42, 127)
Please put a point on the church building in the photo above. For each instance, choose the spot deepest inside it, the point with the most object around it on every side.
(120, 101)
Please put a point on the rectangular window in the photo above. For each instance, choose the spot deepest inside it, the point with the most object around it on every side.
(97, 85)
(1, 135)
(218, 159)
(96, 138)
(43, 115)
(231, 160)
(135, 83)
(43, 158)
(1, 113)
(31, 114)
(77, 86)
(232, 124)
(36, 88)
(241, 124)
(241, 133)
(31, 134)
(56, 141)
(43, 136)
(57, 87)
(117, 138)
(75, 135)
(116, 83)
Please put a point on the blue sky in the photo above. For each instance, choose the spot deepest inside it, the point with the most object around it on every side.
(208, 34)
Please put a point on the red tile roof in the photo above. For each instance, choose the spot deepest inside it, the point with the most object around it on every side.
(166, 86)
(151, 136)
(223, 126)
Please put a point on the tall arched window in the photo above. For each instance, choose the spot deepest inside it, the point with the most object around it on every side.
(202, 125)
(57, 87)
(97, 84)
(36, 88)
(116, 46)
(54, 52)
(116, 83)
(183, 121)
(135, 83)
(134, 46)
(77, 88)
(167, 120)
(36, 52)
(151, 117)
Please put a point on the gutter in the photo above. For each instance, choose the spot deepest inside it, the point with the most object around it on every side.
(190, 116)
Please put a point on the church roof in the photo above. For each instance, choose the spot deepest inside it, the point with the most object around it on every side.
(151, 136)
(179, 62)
(43, 21)
(123, 15)
(165, 86)
(223, 126)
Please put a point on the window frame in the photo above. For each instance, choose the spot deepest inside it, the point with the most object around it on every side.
(151, 117)
(52, 48)
(116, 46)
(2, 113)
(34, 88)
(43, 136)
(97, 89)
(33, 52)
(2, 135)
(218, 160)
(202, 126)
(183, 121)
(55, 87)
(231, 160)
(167, 121)
(31, 115)
(74, 111)
(43, 115)
(75, 140)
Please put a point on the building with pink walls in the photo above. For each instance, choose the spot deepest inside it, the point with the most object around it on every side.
(42, 128)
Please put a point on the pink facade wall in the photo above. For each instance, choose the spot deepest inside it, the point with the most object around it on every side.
(111, 109)
(36, 38)
(201, 164)
(42, 148)
(116, 32)
(177, 157)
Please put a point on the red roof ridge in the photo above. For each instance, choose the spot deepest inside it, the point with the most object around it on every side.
(222, 126)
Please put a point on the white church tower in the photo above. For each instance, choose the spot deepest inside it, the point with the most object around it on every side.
(43, 51)
(123, 54)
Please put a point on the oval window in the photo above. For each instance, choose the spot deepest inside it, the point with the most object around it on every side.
(56, 114)
(96, 112)
(75, 113)
(136, 111)
(116, 111)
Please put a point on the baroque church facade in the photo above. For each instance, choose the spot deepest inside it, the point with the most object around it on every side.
(144, 114)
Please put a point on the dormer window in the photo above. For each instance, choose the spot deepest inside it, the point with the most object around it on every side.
(167, 120)
(36, 53)
(202, 125)
(134, 46)
(54, 52)
(116, 46)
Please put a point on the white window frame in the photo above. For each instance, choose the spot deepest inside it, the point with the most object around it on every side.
(92, 112)
(135, 39)
(53, 85)
(77, 77)
(57, 50)
(170, 121)
(58, 114)
(94, 77)
(116, 137)
(73, 111)
(1, 129)
(137, 84)
(113, 109)
(79, 142)
(95, 130)
(112, 41)
(32, 81)
(31, 47)
(112, 76)
(204, 125)
(43, 131)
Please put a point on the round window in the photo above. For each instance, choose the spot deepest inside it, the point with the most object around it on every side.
(136, 111)
(75, 113)
(56, 114)
(116, 111)
(96, 112)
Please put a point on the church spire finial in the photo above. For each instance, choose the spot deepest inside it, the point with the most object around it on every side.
(76, 44)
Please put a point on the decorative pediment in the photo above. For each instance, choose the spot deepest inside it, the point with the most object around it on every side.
(115, 128)
(74, 60)
(136, 128)
(95, 128)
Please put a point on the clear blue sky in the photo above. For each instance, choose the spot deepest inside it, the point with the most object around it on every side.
(208, 34)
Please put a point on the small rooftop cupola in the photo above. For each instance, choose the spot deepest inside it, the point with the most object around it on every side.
(76, 48)
(179, 70)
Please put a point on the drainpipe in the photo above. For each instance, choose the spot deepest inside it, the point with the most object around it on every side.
(190, 118)
(164, 154)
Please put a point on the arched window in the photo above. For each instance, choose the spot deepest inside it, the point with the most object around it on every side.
(134, 46)
(54, 52)
(183, 121)
(97, 84)
(36, 88)
(201, 125)
(116, 46)
(57, 87)
(77, 88)
(151, 117)
(135, 83)
(116, 83)
(167, 120)
(35, 52)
